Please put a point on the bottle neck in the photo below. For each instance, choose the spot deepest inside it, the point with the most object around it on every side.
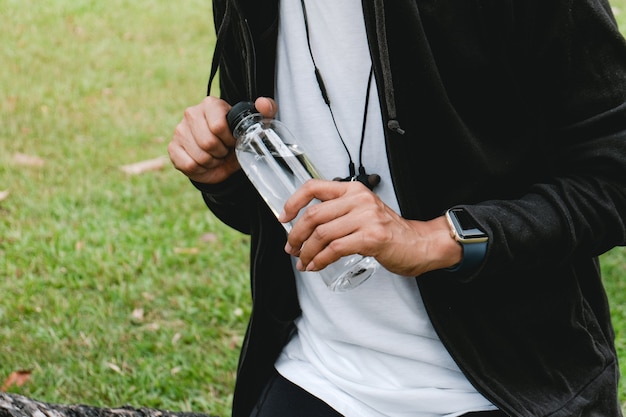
(245, 123)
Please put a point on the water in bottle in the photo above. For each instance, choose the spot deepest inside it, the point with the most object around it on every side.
(277, 166)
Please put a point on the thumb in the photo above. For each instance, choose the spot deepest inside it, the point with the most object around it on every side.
(266, 106)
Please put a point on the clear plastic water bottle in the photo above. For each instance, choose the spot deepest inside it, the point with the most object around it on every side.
(277, 166)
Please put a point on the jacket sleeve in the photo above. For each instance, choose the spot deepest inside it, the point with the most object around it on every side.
(578, 207)
(231, 201)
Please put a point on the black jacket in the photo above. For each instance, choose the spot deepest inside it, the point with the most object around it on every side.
(513, 109)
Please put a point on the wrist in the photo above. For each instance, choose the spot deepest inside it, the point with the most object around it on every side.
(445, 252)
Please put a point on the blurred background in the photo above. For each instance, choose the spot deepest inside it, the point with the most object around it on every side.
(117, 286)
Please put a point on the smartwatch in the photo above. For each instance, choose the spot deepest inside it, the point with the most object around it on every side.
(470, 237)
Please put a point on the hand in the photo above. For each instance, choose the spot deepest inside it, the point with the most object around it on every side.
(203, 146)
(351, 219)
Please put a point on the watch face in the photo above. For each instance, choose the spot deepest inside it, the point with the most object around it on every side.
(466, 228)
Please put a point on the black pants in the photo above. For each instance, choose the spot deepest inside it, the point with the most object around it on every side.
(282, 398)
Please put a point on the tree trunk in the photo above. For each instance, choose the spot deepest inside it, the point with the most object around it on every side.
(12, 405)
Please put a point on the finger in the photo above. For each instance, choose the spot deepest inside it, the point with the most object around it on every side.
(337, 249)
(341, 199)
(328, 237)
(367, 225)
(182, 161)
(215, 111)
(310, 190)
(189, 158)
(208, 132)
(266, 106)
(312, 219)
(185, 141)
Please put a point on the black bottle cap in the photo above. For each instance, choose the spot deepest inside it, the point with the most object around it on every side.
(238, 112)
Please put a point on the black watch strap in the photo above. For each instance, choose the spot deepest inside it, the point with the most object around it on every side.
(470, 237)
(473, 256)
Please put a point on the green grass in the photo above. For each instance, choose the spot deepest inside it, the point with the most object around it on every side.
(89, 86)
(121, 289)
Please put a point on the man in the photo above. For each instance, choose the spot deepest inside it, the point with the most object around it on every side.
(513, 115)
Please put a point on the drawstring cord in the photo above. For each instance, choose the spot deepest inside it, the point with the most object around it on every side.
(248, 52)
(381, 37)
(219, 45)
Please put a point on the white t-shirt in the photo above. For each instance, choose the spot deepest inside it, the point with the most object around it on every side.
(370, 351)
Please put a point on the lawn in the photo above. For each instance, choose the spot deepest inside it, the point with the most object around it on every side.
(116, 288)
(120, 287)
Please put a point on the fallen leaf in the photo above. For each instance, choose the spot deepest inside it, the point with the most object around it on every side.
(137, 314)
(152, 327)
(209, 238)
(28, 160)
(145, 166)
(186, 251)
(235, 342)
(122, 369)
(17, 378)
(114, 367)
(4, 195)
